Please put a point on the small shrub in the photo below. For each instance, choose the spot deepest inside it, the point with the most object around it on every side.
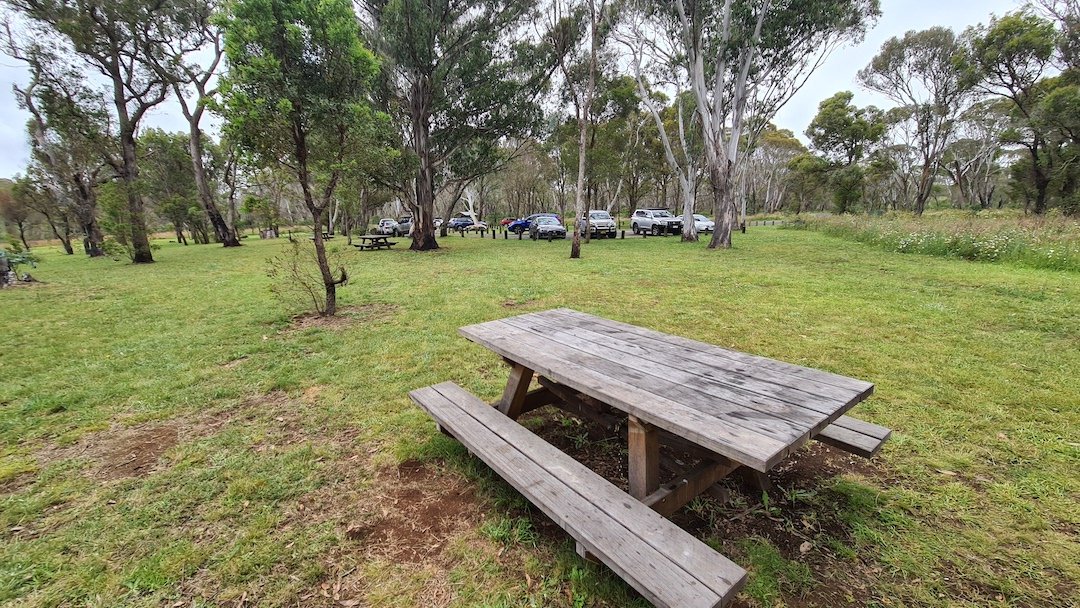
(295, 278)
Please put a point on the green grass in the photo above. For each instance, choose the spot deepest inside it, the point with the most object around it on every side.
(1051, 242)
(974, 502)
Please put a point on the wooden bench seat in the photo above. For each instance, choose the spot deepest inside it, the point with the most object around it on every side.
(663, 562)
(383, 245)
(855, 436)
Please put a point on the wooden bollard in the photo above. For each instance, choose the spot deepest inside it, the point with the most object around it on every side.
(493, 235)
(506, 234)
(520, 233)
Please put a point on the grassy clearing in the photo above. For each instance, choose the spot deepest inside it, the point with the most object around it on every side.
(299, 472)
(1051, 242)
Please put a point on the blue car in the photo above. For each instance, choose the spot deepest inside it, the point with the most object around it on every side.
(523, 225)
(459, 223)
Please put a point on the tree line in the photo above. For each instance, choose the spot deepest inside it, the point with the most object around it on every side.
(332, 110)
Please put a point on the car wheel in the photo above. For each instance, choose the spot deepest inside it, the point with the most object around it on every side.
(656, 229)
(634, 228)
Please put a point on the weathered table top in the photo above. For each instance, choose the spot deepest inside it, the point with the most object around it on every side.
(373, 237)
(751, 409)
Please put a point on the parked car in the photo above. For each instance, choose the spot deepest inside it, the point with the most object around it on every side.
(460, 222)
(506, 221)
(404, 226)
(546, 227)
(438, 222)
(523, 224)
(387, 226)
(601, 224)
(701, 223)
(477, 226)
(655, 221)
(518, 226)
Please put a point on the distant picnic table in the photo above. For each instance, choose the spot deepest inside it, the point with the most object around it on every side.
(374, 241)
(729, 409)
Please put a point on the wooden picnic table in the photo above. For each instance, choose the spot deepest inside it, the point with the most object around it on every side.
(374, 241)
(731, 408)
(727, 410)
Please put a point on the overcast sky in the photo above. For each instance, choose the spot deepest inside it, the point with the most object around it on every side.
(838, 73)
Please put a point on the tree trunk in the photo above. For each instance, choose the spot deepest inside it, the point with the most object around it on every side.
(723, 187)
(330, 309)
(222, 233)
(583, 131)
(423, 207)
(926, 187)
(1040, 178)
(22, 235)
(140, 242)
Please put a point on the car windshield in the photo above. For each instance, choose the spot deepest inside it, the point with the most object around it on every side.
(700, 218)
(661, 214)
(546, 220)
(600, 215)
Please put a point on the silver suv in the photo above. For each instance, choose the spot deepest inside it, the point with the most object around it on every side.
(600, 224)
(655, 221)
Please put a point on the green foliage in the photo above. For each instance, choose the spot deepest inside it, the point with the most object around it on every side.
(295, 278)
(1053, 243)
(298, 88)
(843, 132)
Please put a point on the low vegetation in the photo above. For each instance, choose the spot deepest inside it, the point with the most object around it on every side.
(1051, 242)
(215, 450)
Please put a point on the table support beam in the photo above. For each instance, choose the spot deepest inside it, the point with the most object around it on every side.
(673, 495)
(579, 405)
(644, 465)
(517, 387)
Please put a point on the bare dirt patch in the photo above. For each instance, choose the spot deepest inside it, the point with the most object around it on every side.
(420, 510)
(346, 317)
(119, 452)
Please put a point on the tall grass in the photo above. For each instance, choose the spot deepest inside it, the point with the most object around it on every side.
(1051, 242)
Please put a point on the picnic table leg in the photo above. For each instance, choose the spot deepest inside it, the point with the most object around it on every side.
(644, 465)
(517, 387)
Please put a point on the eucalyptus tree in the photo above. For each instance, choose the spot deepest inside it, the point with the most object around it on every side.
(655, 65)
(971, 161)
(108, 39)
(459, 77)
(68, 130)
(33, 195)
(843, 132)
(297, 96)
(768, 167)
(921, 72)
(1010, 58)
(186, 55)
(747, 58)
(168, 180)
(15, 212)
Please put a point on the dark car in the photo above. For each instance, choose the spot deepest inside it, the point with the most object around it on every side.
(459, 223)
(546, 227)
(523, 225)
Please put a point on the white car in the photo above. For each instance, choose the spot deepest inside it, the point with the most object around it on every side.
(387, 226)
(655, 220)
(601, 224)
(702, 223)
